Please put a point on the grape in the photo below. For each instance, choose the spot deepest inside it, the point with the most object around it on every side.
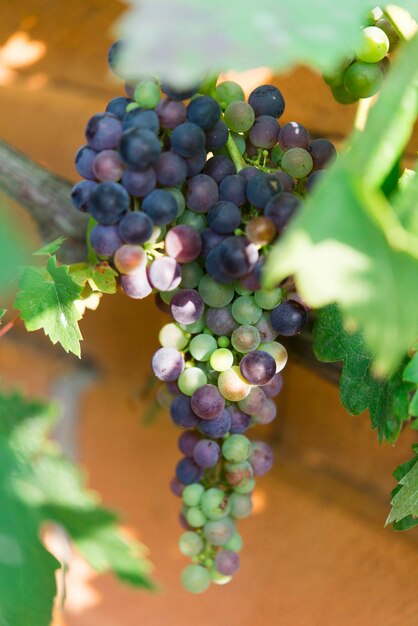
(239, 116)
(147, 94)
(176, 94)
(183, 243)
(266, 414)
(273, 388)
(167, 364)
(261, 458)
(196, 163)
(135, 227)
(312, 180)
(139, 148)
(261, 230)
(248, 172)
(221, 359)
(363, 79)
(245, 310)
(293, 135)
(195, 578)
(373, 46)
(202, 193)
(166, 297)
(187, 306)
(281, 207)
(237, 256)
(265, 132)
(161, 206)
(245, 489)
(190, 543)
(238, 474)
(223, 342)
(191, 379)
(240, 422)
(254, 402)
(217, 427)
(108, 166)
(108, 202)
(207, 402)
(80, 194)
(245, 338)
(204, 111)
(241, 505)
(179, 198)
(171, 169)
(217, 167)
(261, 188)
(139, 184)
(297, 162)
(235, 543)
(182, 413)
(195, 327)
(130, 258)
(216, 137)
(214, 502)
(192, 494)
(239, 142)
(195, 220)
(171, 113)
(227, 562)
(105, 240)
(289, 318)
(232, 385)
(136, 285)
(322, 152)
(138, 118)
(187, 441)
(164, 274)
(228, 92)
(210, 240)
(191, 273)
(343, 96)
(220, 320)
(219, 532)
(206, 453)
(266, 330)
(267, 100)
(84, 160)
(103, 131)
(232, 189)
(286, 180)
(214, 294)
(194, 516)
(187, 471)
(202, 346)
(277, 351)
(187, 139)
(258, 367)
(236, 448)
(113, 54)
(117, 106)
(183, 522)
(268, 299)
(176, 487)
(386, 25)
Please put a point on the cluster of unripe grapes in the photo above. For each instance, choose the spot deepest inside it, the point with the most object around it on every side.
(361, 75)
(188, 191)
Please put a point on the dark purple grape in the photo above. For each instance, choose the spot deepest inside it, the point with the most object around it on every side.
(322, 152)
(251, 149)
(207, 402)
(105, 240)
(196, 163)
(164, 274)
(265, 132)
(274, 387)
(232, 189)
(183, 243)
(289, 318)
(139, 184)
(103, 131)
(113, 53)
(171, 113)
(240, 422)
(218, 427)
(281, 208)
(217, 137)
(217, 167)
(287, 181)
(177, 94)
(139, 148)
(237, 256)
(161, 206)
(135, 227)
(312, 180)
(108, 202)
(206, 453)
(267, 100)
(224, 217)
(167, 364)
(210, 240)
(117, 106)
(252, 281)
(220, 321)
(187, 139)
(141, 119)
(182, 413)
(80, 194)
(258, 367)
(248, 172)
(187, 441)
(261, 188)
(187, 306)
(213, 267)
(261, 458)
(136, 285)
(227, 562)
(202, 193)
(108, 166)
(171, 169)
(293, 135)
(204, 111)
(187, 471)
(84, 160)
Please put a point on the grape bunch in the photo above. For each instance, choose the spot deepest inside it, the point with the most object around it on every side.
(187, 191)
(361, 75)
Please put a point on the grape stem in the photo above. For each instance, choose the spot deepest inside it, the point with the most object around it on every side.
(363, 109)
(234, 153)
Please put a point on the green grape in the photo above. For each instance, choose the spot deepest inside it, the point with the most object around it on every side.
(240, 142)
(195, 517)
(335, 78)
(196, 220)
(277, 351)
(247, 488)
(191, 379)
(194, 327)
(236, 448)
(240, 290)
(171, 336)
(241, 505)
(167, 295)
(190, 543)
(297, 162)
(245, 310)
(147, 94)
(245, 338)
(268, 298)
(195, 578)
(363, 79)
(202, 346)
(131, 107)
(221, 359)
(238, 474)
(239, 116)
(373, 46)
(179, 197)
(223, 342)
(374, 15)
(218, 578)
(192, 494)
(386, 25)
(208, 84)
(215, 294)
(215, 504)
(343, 96)
(232, 384)
(191, 273)
(218, 532)
(235, 543)
(228, 92)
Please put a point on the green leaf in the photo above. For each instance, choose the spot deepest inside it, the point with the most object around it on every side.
(405, 495)
(46, 300)
(219, 35)
(100, 276)
(14, 252)
(387, 400)
(411, 370)
(347, 244)
(413, 405)
(51, 248)
(406, 200)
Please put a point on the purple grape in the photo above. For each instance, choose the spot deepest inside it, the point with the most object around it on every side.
(173, 387)
(187, 306)
(273, 388)
(113, 53)
(139, 184)
(161, 206)
(217, 167)
(251, 149)
(183, 243)
(261, 188)
(187, 139)
(164, 274)
(105, 240)
(84, 160)
(224, 217)
(140, 118)
(227, 562)
(202, 193)
(171, 113)
(108, 166)
(217, 136)
(265, 132)
(187, 471)
(254, 402)
(293, 135)
(266, 330)
(289, 318)
(322, 152)
(267, 413)
(217, 427)
(167, 364)
(187, 442)
(267, 100)
(103, 131)
(171, 169)
(237, 256)
(80, 194)
(220, 321)
(108, 203)
(139, 148)
(176, 94)
(136, 285)
(117, 106)
(176, 487)
(281, 208)
(210, 240)
(312, 180)
(182, 413)
(196, 163)
(261, 458)
(258, 367)
(213, 267)
(207, 402)
(204, 111)
(206, 453)
(287, 181)
(135, 227)
(248, 172)
(232, 189)
(252, 281)
(240, 422)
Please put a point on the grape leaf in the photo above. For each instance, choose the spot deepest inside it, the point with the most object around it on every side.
(100, 276)
(387, 400)
(46, 300)
(52, 247)
(404, 497)
(38, 484)
(411, 370)
(182, 39)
